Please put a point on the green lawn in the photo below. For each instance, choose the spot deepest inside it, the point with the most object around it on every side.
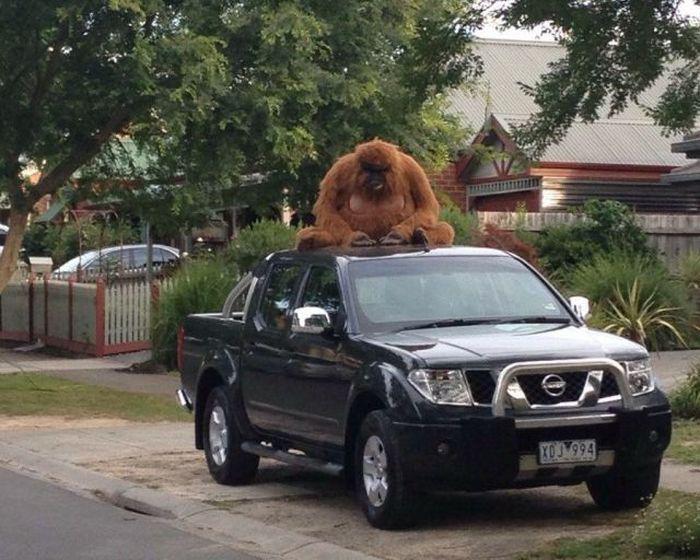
(685, 443)
(668, 529)
(36, 394)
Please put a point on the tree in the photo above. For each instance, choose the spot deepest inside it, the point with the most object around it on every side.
(215, 91)
(615, 49)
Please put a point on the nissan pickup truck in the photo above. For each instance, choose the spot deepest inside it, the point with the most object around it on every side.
(408, 369)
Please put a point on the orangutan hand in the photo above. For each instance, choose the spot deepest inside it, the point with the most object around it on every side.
(420, 237)
(361, 239)
(393, 238)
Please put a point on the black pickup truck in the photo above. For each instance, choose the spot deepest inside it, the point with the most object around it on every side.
(410, 369)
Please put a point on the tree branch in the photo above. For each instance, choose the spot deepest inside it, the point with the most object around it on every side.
(78, 157)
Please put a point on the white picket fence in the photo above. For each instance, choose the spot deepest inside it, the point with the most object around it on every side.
(128, 306)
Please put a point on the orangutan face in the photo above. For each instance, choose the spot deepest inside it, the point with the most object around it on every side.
(374, 177)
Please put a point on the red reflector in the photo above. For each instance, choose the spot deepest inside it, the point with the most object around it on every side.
(180, 347)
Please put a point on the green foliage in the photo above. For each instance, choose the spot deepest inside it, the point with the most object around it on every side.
(643, 320)
(689, 271)
(671, 530)
(609, 280)
(615, 50)
(685, 400)
(466, 226)
(201, 105)
(257, 241)
(64, 241)
(606, 226)
(199, 286)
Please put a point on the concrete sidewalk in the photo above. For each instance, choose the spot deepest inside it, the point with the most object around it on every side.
(14, 361)
(106, 372)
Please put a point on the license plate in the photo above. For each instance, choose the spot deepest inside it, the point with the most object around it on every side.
(568, 451)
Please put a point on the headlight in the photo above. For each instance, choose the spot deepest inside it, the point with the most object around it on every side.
(441, 386)
(639, 376)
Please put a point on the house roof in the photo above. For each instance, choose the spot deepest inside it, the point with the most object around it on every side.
(629, 138)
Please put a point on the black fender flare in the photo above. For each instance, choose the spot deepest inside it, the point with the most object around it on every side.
(218, 368)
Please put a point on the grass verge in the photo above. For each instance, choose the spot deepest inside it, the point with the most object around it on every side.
(668, 529)
(43, 395)
(685, 444)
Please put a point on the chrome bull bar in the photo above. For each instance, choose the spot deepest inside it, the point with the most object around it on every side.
(508, 393)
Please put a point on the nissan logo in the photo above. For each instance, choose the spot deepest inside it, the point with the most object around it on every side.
(553, 385)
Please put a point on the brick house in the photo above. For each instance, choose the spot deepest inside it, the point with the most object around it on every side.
(625, 158)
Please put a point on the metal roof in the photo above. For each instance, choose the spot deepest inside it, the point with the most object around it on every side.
(629, 138)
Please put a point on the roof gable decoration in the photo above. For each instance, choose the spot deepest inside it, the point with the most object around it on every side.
(492, 155)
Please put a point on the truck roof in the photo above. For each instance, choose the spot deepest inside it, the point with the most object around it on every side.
(382, 252)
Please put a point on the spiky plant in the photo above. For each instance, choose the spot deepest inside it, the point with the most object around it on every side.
(643, 320)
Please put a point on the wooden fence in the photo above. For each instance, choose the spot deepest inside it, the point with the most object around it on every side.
(673, 235)
(92, 318)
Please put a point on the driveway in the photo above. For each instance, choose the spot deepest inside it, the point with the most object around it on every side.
(457, 525)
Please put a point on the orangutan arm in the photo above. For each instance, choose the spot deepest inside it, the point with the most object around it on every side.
(427, 207)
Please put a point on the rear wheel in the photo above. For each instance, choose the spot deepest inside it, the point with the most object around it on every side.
(227, 462)
(379, 479)
(619, 490)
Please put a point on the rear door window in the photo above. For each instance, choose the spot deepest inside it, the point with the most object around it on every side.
(279, 295)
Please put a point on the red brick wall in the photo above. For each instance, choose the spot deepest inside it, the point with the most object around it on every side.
(507, 202)
(448, 182)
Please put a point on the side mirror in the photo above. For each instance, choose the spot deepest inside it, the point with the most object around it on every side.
(311, 320)
(581, 306)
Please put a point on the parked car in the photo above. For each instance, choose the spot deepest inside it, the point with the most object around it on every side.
(121, 259)
(409, 369)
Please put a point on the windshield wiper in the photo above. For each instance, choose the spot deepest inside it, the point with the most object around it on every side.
(449, 323)
(486, 321)
(534, 320)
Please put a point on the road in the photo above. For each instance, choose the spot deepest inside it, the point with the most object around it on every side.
(40, 521)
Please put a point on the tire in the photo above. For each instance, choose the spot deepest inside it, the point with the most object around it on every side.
(227, 462)
(383, 493)
(631, 489)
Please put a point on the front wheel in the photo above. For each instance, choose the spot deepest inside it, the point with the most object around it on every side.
(227, 462)
(631, 489)
(379, 479)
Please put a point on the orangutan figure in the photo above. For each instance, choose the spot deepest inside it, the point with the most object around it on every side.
(375, 195)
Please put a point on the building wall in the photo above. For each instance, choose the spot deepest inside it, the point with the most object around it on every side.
(507, 202)
(448, 182)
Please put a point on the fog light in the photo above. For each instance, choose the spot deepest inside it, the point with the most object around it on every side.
(443, 449)
(653, 436)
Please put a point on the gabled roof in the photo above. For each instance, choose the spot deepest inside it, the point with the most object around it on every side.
(630, 138)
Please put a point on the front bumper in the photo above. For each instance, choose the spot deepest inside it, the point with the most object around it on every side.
(501, 452)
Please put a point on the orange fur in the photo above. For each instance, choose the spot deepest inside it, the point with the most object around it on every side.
(351, 210)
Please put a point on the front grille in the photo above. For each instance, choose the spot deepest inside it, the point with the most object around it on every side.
(482, 385)
(535, 393)
(608, 386)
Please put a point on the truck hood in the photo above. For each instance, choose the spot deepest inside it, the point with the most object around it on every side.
(495, 344)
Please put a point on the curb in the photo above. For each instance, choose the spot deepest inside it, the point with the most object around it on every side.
(242, 533)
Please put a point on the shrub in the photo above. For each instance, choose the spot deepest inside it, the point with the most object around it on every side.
(497, 238)
(200, 286)
(685, 400)
(607, 225)
(643, 321)
(671, 530)
(466, 225)
(609, 278)
(689, 271)
(259, 240)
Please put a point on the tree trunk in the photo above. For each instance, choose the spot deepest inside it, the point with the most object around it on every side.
(13, 243)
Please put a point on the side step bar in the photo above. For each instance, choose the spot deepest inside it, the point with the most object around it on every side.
(292, 459)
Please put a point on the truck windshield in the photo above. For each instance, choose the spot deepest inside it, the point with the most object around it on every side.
(423, 292)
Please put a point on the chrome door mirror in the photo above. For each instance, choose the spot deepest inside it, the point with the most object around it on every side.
(310, 320)
(581, 306)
